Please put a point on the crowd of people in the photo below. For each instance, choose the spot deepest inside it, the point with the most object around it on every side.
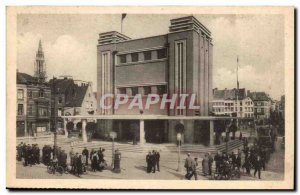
(152, 160)
(29, 153)
(56, 156)
(251, 157)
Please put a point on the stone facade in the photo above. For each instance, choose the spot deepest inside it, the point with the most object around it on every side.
(179, 62)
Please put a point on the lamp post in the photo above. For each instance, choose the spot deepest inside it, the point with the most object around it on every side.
(113, 135)
(179, 147)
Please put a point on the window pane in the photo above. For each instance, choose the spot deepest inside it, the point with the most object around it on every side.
(161, 89)
(147, 90)
(147, 55)
(20, 109)
(20, 94)
(122, 58)
(134, 57)
(161, 53)
(134, 91)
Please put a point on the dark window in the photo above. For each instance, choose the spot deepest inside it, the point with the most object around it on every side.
(30, 94)
(161, 89)
(134, 57)
(122, 90)
(123, 58)
(147, 55)
(41, 93)
(161, 53)
(147, 90)
(20, 109)
(60, 100)
(134, 90)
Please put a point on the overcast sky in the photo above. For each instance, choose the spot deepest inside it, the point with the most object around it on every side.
(69, 43)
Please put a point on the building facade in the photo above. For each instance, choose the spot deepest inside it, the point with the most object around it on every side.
(262, 104)
(179, 62)
(33, 100)
(71, 98)
(227, 103)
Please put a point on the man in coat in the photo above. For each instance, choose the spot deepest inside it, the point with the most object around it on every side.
(148, 161)
(157, 157)
(258, 164)
(218, 160)
(85, 154)
(188, 165)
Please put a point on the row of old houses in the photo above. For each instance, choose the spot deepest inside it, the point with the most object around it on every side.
(244, 103)
(41, 103)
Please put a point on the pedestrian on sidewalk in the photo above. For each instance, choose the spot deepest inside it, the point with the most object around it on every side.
(85, 154)
(257, 166)
(153, 159)
(148, 161)
(218, 160)
(157, 157)
(205, 165)
(210, 163)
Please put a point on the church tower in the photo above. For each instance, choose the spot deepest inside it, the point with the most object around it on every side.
(40, 66)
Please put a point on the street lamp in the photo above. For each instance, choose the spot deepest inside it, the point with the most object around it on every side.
(179, 147)
(113, 136)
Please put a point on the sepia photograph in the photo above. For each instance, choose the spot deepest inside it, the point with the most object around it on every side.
(150, 98)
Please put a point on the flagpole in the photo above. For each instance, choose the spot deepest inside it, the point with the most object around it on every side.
(237, 94)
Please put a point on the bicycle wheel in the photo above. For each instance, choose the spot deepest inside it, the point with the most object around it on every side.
(50, 169)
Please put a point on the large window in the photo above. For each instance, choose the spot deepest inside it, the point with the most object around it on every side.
(43, 112)
(20, 94)
(161, 53)
(134, 57)
(122, 58)
(20, 109)
(161, 89)
(147, 90)
(147, 55)
(134, 90)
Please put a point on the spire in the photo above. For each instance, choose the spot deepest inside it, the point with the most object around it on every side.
(40, 66)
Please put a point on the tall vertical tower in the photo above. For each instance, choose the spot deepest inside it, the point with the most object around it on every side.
(40, 66)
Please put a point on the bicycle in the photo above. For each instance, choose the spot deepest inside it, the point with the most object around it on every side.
(53, 168)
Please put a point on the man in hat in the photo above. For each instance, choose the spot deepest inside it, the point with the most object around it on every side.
(148, 161)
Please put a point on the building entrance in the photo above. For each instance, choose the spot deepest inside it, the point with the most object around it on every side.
(156, 131)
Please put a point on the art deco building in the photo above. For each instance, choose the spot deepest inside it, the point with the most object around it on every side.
(179, 62)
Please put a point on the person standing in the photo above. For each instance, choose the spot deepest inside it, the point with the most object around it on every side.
(94, 160)
(257, 166)
(188, 165)
(247, 164)
(194, 168)
(210, 163)
(78, 164)
(205, 165)
(148, 161)
(153, 161)
(63, 159)
(157, 158)
(85, 154)
(218, 160)
(72, 155)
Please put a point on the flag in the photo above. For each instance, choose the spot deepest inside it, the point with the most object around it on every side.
(123, 16)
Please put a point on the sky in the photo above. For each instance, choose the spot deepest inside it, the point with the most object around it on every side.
(69, 43)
